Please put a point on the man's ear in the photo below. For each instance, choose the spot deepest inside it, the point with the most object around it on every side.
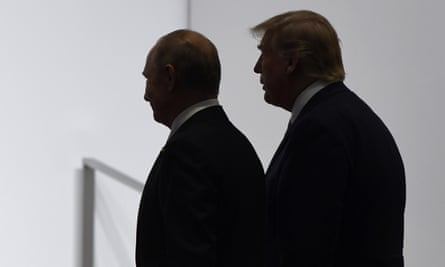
(292, 62)
(171, 76)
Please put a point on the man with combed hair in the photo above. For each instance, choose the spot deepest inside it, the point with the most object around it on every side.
(203, 202)
(336, 184)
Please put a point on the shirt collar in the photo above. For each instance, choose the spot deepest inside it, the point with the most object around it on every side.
(189, 112)
(304, 97)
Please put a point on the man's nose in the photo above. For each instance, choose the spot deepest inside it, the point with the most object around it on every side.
(257, 67)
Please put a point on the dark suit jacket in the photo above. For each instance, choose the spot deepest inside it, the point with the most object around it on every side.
(204, 201)
(336, 188)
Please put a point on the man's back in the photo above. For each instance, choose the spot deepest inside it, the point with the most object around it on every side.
(347, 181)
(207, 192)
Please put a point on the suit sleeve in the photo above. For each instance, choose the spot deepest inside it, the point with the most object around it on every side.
(310, 194)
(188, 204)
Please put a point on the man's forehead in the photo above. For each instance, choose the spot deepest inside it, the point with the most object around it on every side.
(265, 41)
(147, 65)
(149, 58)
(261, 44)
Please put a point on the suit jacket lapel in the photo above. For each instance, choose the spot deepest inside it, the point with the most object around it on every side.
(277, 157)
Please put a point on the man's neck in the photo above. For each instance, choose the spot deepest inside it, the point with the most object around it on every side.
(299, 86)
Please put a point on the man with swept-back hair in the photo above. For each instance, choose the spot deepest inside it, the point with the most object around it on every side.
(203, 202)
(336, 184)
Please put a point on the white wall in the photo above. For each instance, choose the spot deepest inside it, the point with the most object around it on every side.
(393, 55)
(71, 86)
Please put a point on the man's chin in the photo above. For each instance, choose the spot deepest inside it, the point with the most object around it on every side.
(156, 118)
(267, 99)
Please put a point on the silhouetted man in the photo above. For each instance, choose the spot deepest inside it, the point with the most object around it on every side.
(203, 202)
(336, 184)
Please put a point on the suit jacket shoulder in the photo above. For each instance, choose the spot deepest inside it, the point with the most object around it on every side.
(209, 197)
(337, 184)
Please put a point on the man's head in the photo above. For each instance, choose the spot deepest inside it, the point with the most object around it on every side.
(297, 47)
(181, 69)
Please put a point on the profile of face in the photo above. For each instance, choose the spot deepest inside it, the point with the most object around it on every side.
(273, 69)
(156, 89)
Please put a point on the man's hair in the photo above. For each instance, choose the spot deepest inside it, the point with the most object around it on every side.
(311, 36)
(194, 57)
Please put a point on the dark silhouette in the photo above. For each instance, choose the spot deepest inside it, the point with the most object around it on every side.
(203, 202)
(336, 184)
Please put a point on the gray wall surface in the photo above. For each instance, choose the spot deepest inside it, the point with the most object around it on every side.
(393, 54)
(71, 87)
